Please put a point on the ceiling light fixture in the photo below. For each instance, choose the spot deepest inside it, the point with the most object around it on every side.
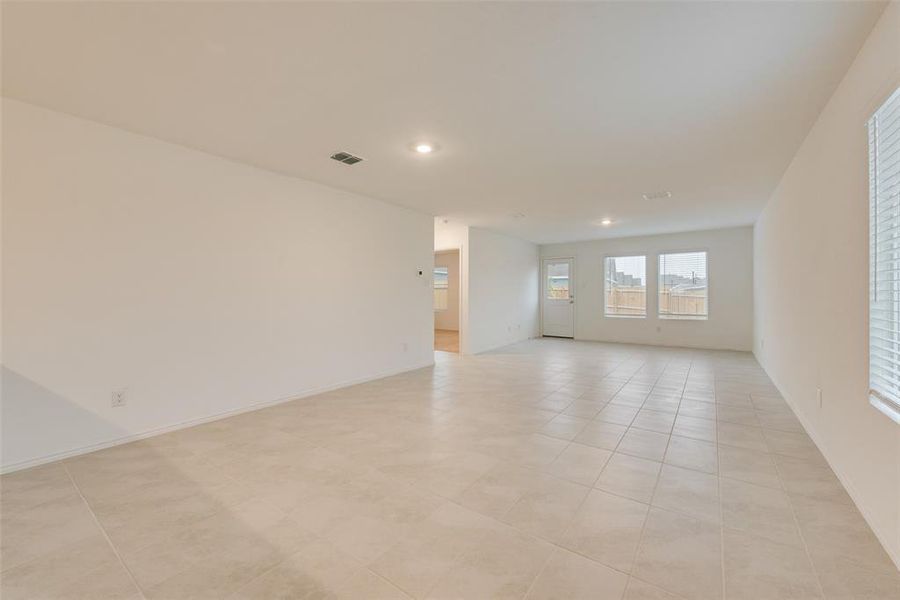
(606, 222)
(424, 148)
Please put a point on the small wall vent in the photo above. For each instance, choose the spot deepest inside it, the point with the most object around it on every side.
(661, 195)
(346, 158)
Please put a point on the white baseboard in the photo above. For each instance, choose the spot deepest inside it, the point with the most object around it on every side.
(502, 345)
(42, 460)
(892, 551)
(665, 345)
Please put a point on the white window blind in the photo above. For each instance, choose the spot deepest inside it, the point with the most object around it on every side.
(683, 286)
(884, 257)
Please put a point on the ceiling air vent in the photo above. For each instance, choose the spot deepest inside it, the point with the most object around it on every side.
(346, 158)
(661, 195)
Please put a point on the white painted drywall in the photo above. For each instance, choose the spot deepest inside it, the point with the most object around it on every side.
(449, 235)
(811, 262)
(730, 268)
(202, 285)
(449, 319)
(503, 290)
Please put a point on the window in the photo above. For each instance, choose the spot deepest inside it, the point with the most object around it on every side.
(683, 286)
(625, 288)
(884, 257)
(441, 285)
(558, 281)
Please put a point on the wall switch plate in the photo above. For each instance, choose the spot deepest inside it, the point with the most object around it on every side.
(119, 398)
(819, 396)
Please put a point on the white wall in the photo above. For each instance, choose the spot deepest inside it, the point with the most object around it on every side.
(449, 319)
(503, 290)
(449, 235)
(730, 270)
(202, 285)
(811, 257)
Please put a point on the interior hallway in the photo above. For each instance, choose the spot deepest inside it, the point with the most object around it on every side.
(446, 340)
(546, 469)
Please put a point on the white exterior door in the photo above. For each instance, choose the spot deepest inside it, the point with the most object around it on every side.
(558, 297)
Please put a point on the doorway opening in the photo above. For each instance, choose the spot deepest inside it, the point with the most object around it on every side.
(446, 301)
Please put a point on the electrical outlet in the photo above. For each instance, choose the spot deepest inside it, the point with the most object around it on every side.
(819, 396)
(119, 397)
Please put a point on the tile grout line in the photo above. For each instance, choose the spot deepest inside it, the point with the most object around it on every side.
(650, 507)
(806, 551)
(105, 534)
(568, 527)
(556, 544)
(721, 503)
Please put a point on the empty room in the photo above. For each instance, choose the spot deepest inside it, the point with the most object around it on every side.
(450, 300)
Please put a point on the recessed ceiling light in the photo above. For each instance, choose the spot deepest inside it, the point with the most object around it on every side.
(606, 222)
(424, 148)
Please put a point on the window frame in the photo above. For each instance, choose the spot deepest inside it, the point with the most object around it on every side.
(881, 400)
(695, 318)
(606, 258)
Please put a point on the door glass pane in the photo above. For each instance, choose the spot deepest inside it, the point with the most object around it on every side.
(625, 288)
(558, 281)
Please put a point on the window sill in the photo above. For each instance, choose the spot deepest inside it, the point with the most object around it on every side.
(885, 408)
(624, 316)
(684, 318)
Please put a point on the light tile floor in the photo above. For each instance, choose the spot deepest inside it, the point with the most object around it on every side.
(549, 469)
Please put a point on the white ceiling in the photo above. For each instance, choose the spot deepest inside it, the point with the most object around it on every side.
(564, 112)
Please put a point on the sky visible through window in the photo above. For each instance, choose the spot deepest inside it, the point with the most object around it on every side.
(635, 266)
(683, 268)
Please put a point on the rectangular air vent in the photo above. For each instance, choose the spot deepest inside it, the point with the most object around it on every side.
(661, 195)
(346, 158)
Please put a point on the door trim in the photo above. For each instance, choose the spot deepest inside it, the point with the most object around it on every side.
(544, 259)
